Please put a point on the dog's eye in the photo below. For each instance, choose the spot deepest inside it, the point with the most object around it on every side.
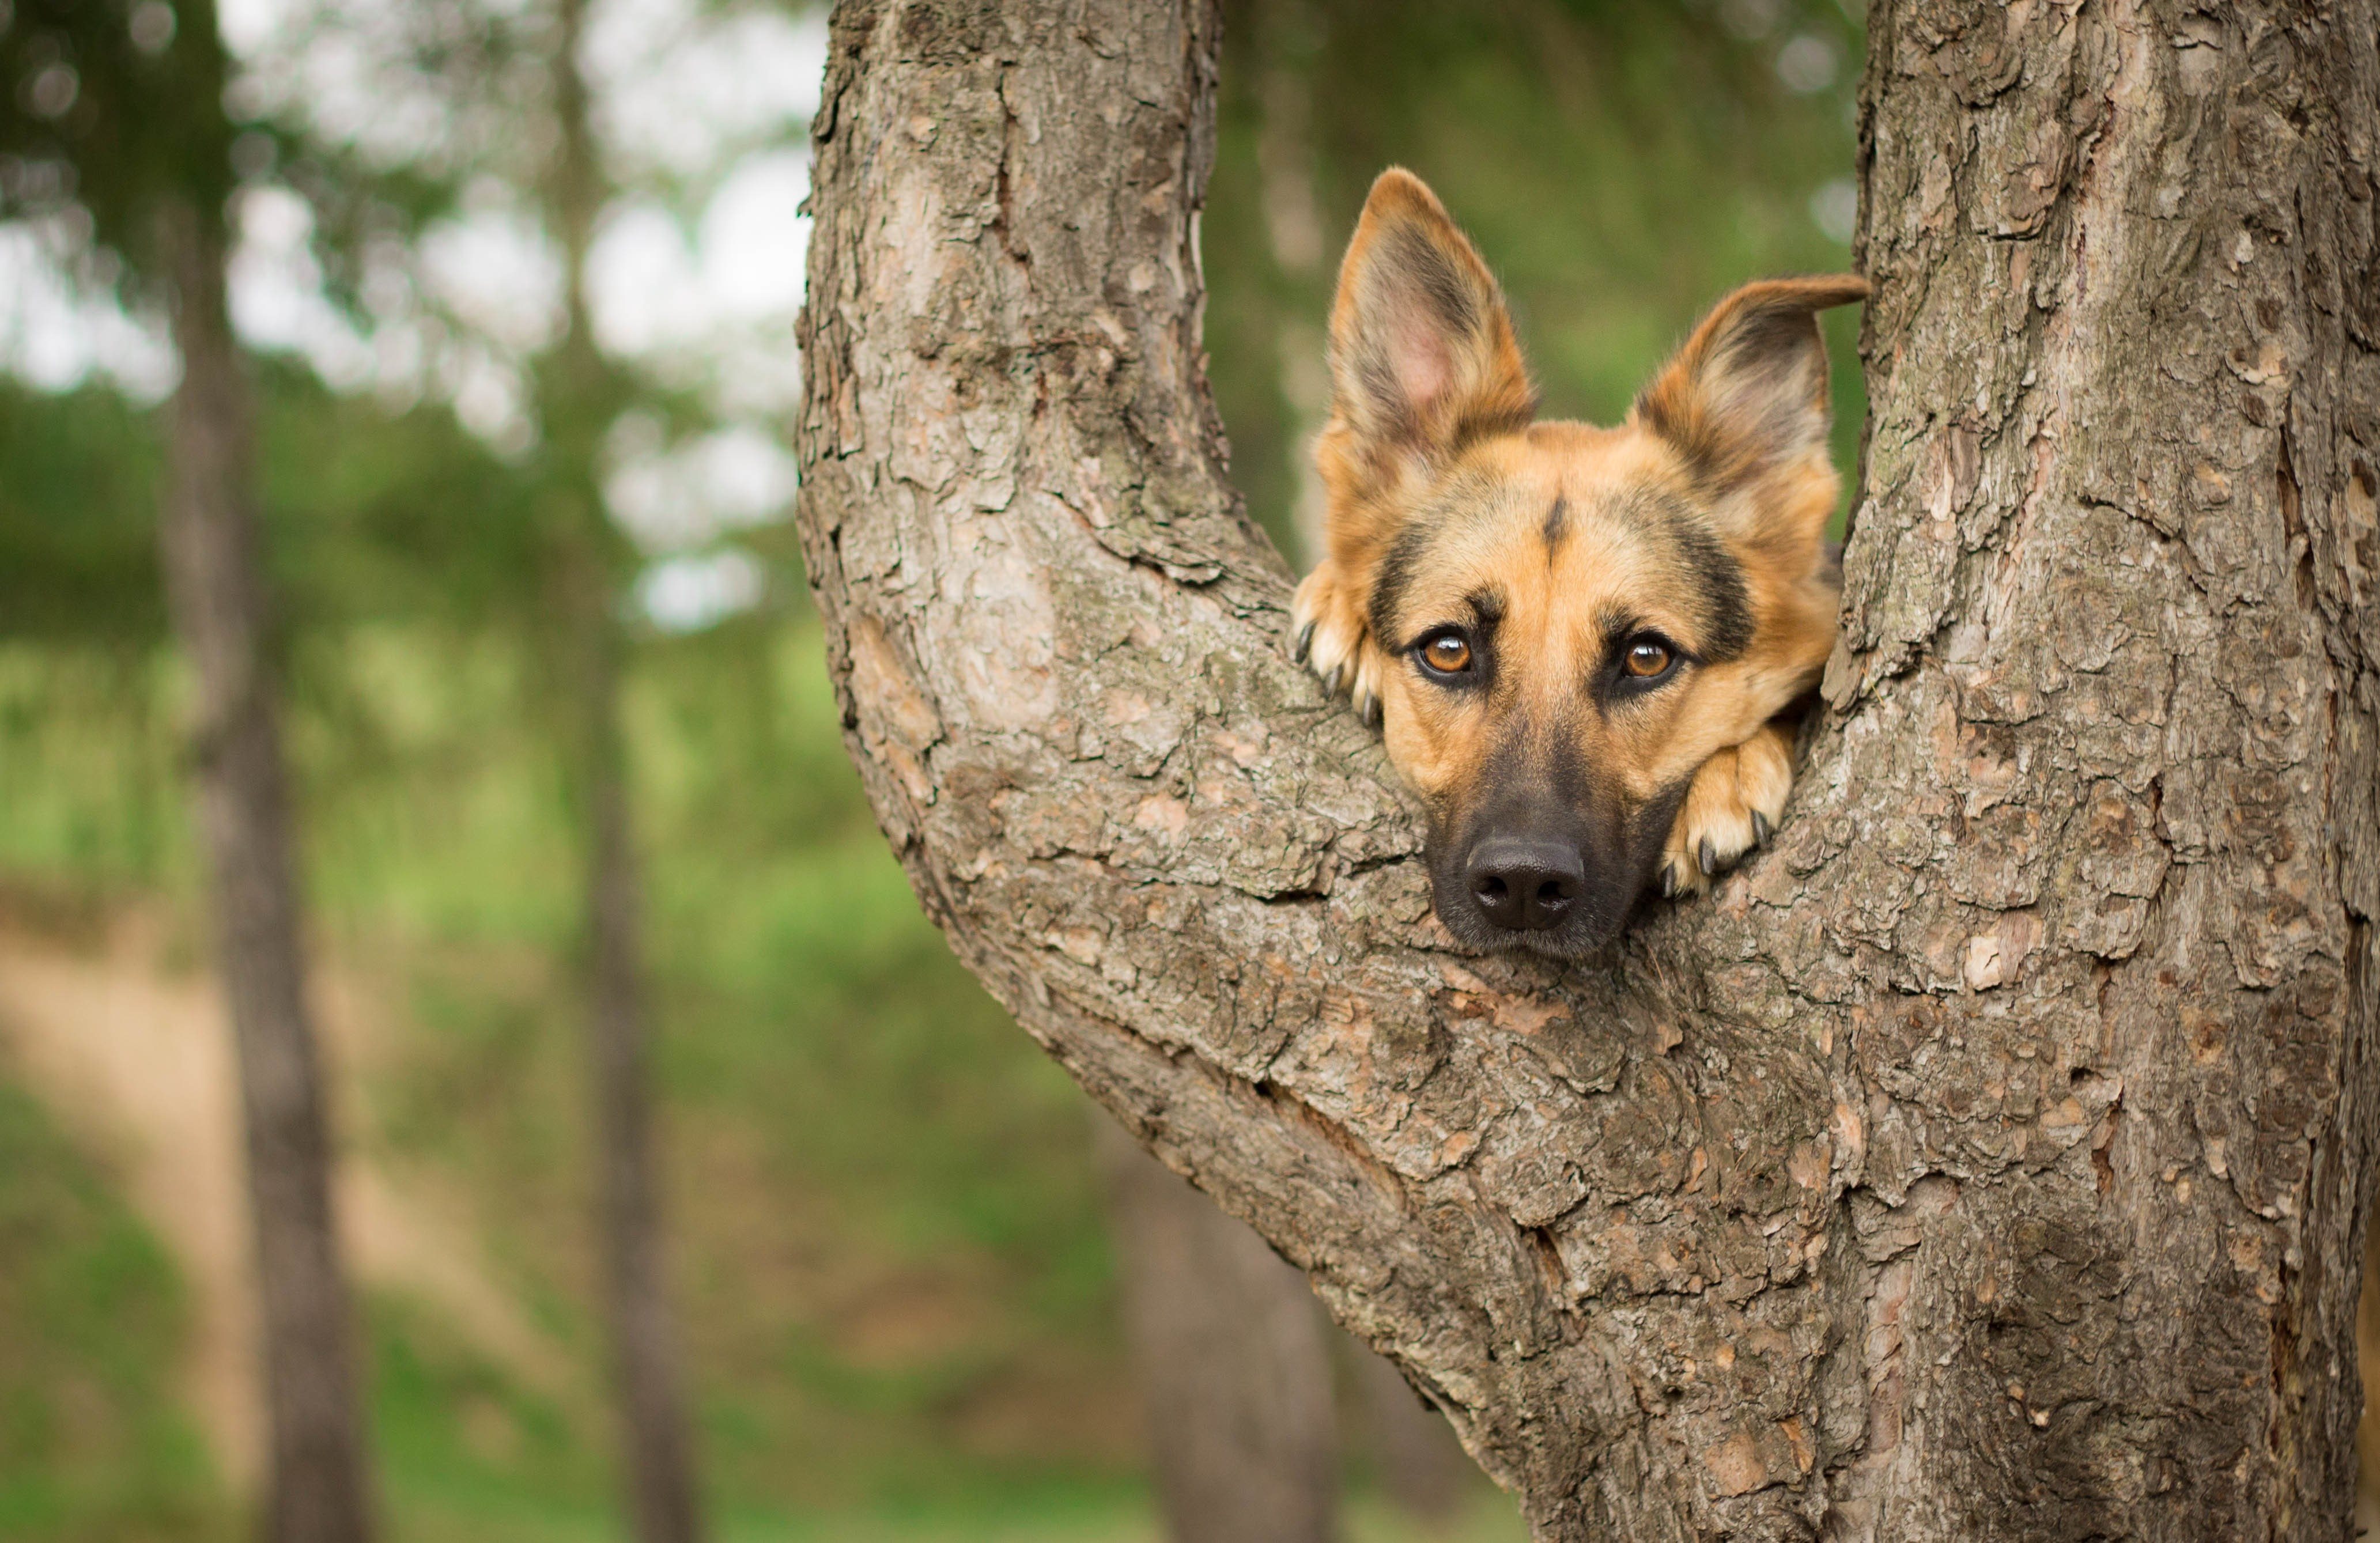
(1647, 657)
(1447, 652)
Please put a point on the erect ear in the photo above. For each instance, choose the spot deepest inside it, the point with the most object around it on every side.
(1422, 356)
(1747, 394)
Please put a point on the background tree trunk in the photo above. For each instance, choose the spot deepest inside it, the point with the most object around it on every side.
(1989, 1159)
(1415, 1457)
(319, 1488)
(1233, 1366)
(585, 644)
(1287, 36)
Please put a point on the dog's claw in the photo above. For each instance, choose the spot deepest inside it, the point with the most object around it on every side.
(1707, 857)
(1370, 712)
(1303, 644)
(1668, 881)
(1761, 828)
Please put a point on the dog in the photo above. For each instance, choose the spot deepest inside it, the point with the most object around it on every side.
(1576, 641)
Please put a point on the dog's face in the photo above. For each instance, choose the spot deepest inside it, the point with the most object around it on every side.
(1560, 626)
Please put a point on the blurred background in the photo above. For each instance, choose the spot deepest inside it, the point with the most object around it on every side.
(513, 282)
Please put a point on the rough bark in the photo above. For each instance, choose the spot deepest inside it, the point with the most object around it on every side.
(586, 646)
(1988, 1158)
(2367, 1356)
(319, 1486)
(1234, 1372)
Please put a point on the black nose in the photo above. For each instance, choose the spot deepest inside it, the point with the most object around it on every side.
(1524, 885)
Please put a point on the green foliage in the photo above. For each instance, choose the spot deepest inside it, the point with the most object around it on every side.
(77, 520)
(375, 517)
(91, 1444)
(466, 1449)
(88, 797)
(109, 110)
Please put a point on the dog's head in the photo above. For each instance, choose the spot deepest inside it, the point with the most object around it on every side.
(1557, 624)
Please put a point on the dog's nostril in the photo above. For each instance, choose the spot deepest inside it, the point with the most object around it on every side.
(1524, 884)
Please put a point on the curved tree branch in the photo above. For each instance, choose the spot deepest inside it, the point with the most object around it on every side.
(1987, 1159)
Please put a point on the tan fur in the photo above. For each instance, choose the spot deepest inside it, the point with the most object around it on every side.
(1700, 520)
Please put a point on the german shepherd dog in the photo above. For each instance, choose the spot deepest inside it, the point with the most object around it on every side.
(1577, 640)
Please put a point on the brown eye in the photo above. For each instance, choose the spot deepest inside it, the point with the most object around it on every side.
(1447, 653)
(1647, 657)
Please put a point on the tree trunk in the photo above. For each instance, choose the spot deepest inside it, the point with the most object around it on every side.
(583, 393)
(2367, 1357)
(1415, 1457)
(1234, 1372)
(660, 1459)
(1986, 1159)
(320, 1491)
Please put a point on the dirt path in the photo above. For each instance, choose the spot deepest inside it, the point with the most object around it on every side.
(135, 1059)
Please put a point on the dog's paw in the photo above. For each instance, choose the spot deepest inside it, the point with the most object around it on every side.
(1332, 640)
(1735, 803)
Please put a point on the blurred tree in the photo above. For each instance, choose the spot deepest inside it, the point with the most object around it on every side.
(512, 120)
(1233, 1366)
(586, 589)
(115, 119)
(1415, 1458)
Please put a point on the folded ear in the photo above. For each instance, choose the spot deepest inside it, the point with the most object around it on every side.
(1422, 356)
(1747, 394)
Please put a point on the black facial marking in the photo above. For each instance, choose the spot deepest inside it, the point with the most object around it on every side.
(1719, 594)
(1395, 573)
(1557, 526)
(1461, 500)
(1722, 603)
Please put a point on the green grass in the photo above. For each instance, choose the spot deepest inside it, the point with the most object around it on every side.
(94, 1444)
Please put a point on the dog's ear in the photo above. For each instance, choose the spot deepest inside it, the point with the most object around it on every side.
(1747, 394)
(1422, 353)
(1421, 360)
